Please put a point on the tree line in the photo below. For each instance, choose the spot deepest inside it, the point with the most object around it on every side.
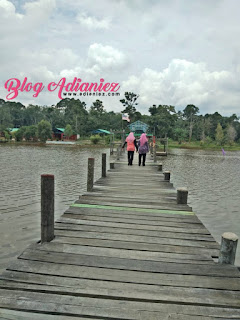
(73, 115)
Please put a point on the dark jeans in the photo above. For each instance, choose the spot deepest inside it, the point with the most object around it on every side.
(130, 157)
(140, 156)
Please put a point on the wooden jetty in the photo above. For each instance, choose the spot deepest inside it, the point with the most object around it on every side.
(125, 250)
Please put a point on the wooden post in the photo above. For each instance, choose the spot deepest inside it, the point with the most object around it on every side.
(47, 207)
(90, 176)
(182, 195)
(228, 248)
(111, 165)
(118, 153)
(151, 148)
(104, 165)
(155, 153)
(167, 175)
(160, 167)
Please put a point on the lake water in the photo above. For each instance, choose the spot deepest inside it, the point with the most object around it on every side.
(213, 181)
(211, 178)
(20, 170)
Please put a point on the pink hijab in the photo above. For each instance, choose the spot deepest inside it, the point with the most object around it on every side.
(143, 139)
(130, 137)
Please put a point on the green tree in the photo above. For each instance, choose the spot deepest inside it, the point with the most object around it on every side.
(6, 135)
(44, 130)
(6, 120)
(97, 108)
(231, 134)
(180, 134)
(20, 133)
(163, 119)
(31, 133)
(75, 114)
(130, 104)
(95, 139)
(219, 136)
(190, 114)
(68, 131)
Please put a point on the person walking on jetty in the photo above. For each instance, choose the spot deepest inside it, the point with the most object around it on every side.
(143, 148)
(131, 145)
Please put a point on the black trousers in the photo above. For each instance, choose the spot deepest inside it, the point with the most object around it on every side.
(140, 156)
(130, 157)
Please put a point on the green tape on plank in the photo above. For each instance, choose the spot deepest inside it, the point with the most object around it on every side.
(96, 206)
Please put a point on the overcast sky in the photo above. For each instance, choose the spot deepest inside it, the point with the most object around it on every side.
(174, 52)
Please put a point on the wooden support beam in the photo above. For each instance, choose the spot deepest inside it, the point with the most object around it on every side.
(47, 207)
(228, 248)
(167, 175)
(182, 195)
(104, 165)
(90, 176)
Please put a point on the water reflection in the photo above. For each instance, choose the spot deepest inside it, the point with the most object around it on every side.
(213, 183)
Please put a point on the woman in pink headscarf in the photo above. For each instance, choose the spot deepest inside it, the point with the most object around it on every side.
(131, 145)
(142, 149)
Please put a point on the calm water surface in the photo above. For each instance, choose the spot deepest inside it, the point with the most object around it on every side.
(211, 178)
(20, 170)
(213, 181)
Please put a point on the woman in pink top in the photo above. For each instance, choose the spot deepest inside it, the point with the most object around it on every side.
(131, 145)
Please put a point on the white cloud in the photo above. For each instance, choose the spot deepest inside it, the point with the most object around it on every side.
(105, 57)
(7, 9)
(48, 39)
(93, 23)
(184, 82)
(40, 10)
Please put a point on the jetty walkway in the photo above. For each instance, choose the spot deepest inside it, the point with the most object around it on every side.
(126, 250)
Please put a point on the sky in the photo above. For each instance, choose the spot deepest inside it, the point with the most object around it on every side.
(174, 52)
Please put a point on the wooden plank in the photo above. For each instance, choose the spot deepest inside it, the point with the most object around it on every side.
(166, 200)
(128, 242)
(180, 207)
(108, 212)
(75, 222)
(123, 276)
(136, 221)
(124, 291)
(106, 308)
(127, 264)
(133, 209)
(123, 254)
(134, 235)
(20, 315)
(130, 245)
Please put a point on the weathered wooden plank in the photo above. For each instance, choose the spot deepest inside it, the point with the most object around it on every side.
(156, 212)
(130, 245)
(125, 291)
(132, 235)
(123, 254)
(108, 212)
(157, 201)
(130, 264)
(123, 276)
(158, 228)
(108, 308)
(180, 207)
(20, 315)
(195, 317)
(128, 242)
(136, 221)
(164, 227)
